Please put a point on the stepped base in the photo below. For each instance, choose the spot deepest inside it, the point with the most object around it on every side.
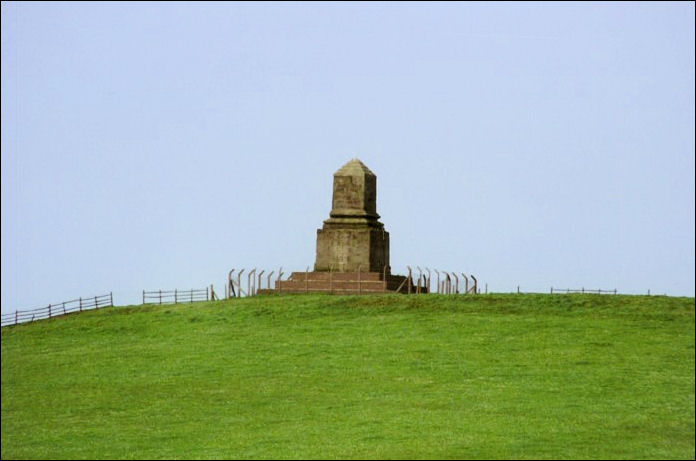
(345, 283)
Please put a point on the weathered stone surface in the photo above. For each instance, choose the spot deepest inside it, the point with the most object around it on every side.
(353, 239)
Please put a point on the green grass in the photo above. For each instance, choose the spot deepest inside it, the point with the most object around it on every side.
(313, 376)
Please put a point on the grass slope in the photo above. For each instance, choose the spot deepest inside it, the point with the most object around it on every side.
(316, 376)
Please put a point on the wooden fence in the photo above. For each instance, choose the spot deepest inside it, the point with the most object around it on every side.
(176, 296)
(572, 290)
(582, 290)
(55, 310)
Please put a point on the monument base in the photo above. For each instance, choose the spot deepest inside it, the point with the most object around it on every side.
(352, 248)
(344, 283)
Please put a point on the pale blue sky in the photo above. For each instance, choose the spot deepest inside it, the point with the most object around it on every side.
(158, 145)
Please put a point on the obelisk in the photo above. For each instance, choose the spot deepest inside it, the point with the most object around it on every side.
(353, 239)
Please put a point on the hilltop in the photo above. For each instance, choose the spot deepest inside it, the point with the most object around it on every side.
(391, 376)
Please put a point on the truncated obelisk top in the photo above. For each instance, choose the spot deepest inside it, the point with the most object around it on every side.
(353, 239)
(354, 191)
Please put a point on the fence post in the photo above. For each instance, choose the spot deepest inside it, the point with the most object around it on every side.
(176, 296)
(207, 297)
(420, 273)
(49, 311)
(614, 290)
(191, 295)
(256, 289)
(96, 306)
(408, 281)
(239, 283)
(80, 302)
(111, 298)
(268, 279)
(551, 290)
(160, 296)
(143, 296)
(16, 316)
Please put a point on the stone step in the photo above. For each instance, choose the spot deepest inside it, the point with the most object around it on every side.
(325, 285)
(343, 276)
(350, 286)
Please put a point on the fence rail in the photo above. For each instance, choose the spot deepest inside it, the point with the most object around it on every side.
(177, 296)
(58, 309)
(573, 290)
(582, 290)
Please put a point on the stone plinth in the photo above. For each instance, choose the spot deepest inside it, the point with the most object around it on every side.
(353, 239)
(344, 283)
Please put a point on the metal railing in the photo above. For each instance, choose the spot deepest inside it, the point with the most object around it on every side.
(446, 282)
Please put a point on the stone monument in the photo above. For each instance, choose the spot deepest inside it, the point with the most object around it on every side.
(353, 239)
(352, 247)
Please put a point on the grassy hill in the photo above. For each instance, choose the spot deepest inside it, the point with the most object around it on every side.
(315, 376)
